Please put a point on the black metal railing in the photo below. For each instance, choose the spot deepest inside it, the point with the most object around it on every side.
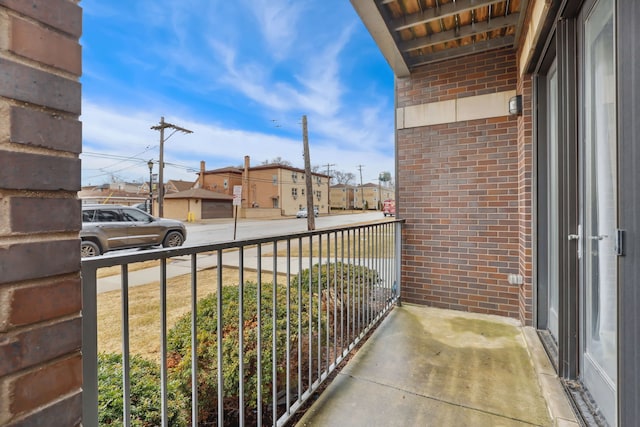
(243, 332)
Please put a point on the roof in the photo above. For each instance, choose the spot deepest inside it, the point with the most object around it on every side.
(286, 167)
(228, 169)
(411, 33)
(181, 185)
(199, 193)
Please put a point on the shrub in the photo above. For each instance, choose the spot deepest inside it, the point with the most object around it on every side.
(347, 274)
(179, 348)
(179, 340)
(145, 393)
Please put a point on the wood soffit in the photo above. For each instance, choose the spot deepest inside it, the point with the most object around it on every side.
(427, 31)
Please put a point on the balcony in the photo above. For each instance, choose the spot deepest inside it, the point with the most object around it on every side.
(329, 290)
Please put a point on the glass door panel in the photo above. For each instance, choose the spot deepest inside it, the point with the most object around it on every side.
(553, 183)
(600, 274)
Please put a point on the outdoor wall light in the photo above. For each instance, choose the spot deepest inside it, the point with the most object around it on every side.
(515, 105)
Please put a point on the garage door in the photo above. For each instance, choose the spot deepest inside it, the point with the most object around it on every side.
(217, 209)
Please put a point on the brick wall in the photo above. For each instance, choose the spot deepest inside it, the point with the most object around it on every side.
(40, 139)
(525, 170)
(458, 186)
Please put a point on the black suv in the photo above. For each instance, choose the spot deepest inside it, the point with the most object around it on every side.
(110, 227)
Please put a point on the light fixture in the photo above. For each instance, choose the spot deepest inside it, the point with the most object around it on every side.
(515, 105)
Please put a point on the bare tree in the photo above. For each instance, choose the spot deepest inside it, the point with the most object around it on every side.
(277, 161)
(341, 177)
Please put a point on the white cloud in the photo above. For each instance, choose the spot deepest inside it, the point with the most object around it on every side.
(116, 131)
(208, 67)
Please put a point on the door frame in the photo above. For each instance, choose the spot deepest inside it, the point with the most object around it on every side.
(628, 103)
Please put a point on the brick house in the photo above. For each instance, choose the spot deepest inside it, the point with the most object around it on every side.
(372, 195)
(341, 196)
(517, 172)
(275, 188)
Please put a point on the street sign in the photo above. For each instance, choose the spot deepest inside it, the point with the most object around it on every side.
(237, 195)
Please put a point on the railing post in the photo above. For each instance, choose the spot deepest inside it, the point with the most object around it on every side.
(89, 347)
(398, 256)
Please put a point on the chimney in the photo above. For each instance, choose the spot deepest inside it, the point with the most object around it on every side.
(201, 177)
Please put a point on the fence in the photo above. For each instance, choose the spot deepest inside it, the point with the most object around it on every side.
(244, 332)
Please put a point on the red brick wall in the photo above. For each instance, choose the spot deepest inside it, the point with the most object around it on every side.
(40, 139)
(458, 189)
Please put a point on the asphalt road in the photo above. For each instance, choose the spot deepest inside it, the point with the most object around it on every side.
(221, 230)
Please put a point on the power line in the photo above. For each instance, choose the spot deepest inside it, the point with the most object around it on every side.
(161, 127)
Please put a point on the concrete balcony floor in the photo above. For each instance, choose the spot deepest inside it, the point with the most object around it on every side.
(432, 367)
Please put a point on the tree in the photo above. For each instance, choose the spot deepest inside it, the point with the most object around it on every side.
(341, 177)
(277, 161)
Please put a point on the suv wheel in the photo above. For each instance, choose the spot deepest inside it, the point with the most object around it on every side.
(173, 239)
(89, 249)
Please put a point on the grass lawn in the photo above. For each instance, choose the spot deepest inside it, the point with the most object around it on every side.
(144, 309)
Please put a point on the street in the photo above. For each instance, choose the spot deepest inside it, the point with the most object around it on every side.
(221, 230)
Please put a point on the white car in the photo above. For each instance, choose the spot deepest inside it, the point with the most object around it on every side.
(302, 213)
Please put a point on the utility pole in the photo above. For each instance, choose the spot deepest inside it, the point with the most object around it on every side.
(361, 187)
(311, 218)
(328, 165)
(161, 127)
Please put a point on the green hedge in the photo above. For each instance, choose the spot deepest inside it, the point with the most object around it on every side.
(145, 390)
(145, 393)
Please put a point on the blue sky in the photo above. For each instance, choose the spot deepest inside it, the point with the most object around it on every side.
(239, 75)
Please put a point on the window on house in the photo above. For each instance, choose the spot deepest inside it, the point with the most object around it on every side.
(318, 194)
(294, 192)
(275, 179)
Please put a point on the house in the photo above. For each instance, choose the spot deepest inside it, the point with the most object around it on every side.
(176, 186)
(341, 196)
(268, 190)
(197, 203)
(114, 193)
(372, 196)
(517, 174)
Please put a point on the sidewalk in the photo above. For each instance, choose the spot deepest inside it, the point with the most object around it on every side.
(431, 367)
(182, 265)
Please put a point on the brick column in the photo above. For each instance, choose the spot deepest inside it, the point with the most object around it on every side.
(525, 170)
(40, 140)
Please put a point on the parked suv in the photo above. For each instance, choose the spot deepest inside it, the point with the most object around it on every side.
(109, 227)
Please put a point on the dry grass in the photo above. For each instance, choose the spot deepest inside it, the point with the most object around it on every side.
(144, 309)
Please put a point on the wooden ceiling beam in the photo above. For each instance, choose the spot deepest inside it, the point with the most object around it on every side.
(416, 61)
(433, 14)
(462, 32)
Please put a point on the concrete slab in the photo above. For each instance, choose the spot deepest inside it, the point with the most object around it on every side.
(427, 366)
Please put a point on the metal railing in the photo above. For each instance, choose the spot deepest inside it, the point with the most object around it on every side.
(249, 350)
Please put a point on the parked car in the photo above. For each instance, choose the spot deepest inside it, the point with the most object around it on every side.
(302, 213)
(144, 207)
(109, 227)
(389, 207)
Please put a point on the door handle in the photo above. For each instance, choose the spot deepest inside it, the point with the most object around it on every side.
(599, 237)
(577, 237)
